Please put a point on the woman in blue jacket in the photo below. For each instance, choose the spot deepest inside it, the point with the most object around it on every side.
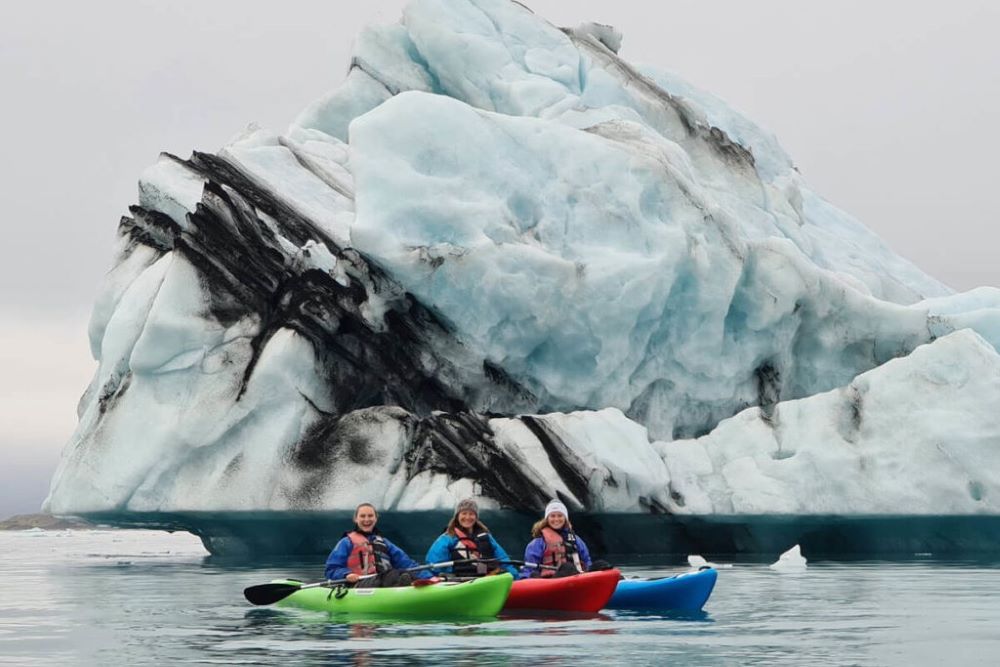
(363, 551)
(555, 546)
(466, 537)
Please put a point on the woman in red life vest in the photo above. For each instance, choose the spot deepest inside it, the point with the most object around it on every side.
(466, 537)
(364, 551)
(555, 545)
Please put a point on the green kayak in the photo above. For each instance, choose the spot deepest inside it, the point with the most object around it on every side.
(479, 597)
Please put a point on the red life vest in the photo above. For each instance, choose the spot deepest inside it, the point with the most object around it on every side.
(369, 554)
(558, 551)
(471, 547)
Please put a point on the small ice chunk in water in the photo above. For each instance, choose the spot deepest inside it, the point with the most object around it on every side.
(790, 561)
(696, 562)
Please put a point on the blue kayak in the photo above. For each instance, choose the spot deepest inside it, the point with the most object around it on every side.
(685, 592)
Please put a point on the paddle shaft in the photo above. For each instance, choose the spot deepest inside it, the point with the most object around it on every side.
(537, 566)
(340, 582)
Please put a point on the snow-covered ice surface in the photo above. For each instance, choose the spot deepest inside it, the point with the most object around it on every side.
(501, 260)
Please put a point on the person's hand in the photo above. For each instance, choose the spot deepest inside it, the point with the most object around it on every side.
(351, 578)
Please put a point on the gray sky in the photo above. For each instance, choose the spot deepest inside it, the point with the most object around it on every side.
(889, 109)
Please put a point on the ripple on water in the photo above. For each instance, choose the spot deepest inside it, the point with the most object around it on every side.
(138, 597)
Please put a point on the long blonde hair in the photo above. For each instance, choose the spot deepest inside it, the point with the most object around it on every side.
(479, 526)
(536, 530)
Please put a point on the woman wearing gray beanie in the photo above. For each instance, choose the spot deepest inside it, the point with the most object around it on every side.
(465, 538)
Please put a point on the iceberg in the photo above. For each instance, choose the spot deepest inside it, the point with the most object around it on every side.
(499, 260)
(790, 561)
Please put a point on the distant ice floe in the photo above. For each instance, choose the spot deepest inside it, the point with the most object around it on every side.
(790, 561)
(697, 562)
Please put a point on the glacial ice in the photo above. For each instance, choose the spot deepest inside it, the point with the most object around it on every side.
(696, 562)
(501, 261)
(790, 561)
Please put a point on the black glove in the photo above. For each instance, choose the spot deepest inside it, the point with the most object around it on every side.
(394, 578)
(566, 570)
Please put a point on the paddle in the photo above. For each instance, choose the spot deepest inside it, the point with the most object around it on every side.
(264, 594)
(417, 583)
(536, 566)
(539, 566)
(498, 561)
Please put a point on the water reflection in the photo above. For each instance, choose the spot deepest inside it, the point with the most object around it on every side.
(354, 641)
(131, 599)
(700, 616)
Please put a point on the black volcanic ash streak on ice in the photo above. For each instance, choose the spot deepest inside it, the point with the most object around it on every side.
(381, 367)
(458, 445)
(730, 151)
(500, 377)
(332, 440)
(462, 445)
(400, 365)
(245, 271)
(149, 228)
(145, 228)
(574, 473)
(361, 65)
(294, 226)
(235, 253)
(768, 389)
(249, 272)
(851, 413)
(115, 387)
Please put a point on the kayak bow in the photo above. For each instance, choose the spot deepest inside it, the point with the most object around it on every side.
(684, 592)
(480, 597)
(587, 592)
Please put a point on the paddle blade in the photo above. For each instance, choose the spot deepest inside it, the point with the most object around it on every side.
(269, 593)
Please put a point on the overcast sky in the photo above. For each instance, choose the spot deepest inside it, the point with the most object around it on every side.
(889, 109)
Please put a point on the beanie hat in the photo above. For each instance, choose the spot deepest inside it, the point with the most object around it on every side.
(467, 505)
(556, 506)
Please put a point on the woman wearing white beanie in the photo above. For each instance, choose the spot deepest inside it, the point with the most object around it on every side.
(555, 545)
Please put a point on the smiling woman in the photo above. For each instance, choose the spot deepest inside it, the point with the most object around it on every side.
(365, 559)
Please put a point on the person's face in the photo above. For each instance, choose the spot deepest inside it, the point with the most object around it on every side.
(556, 520)
(366, 518)
(467, 519)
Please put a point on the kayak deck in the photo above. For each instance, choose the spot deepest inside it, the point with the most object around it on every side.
(587, 592)
(480, 597)
(684, 592)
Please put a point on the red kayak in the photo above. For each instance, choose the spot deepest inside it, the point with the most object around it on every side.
(585, 592)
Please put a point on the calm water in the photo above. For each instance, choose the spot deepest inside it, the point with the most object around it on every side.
(140, 598)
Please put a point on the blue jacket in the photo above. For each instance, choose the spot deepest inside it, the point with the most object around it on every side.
(440, 551)
(536, 549)
(336, 562)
